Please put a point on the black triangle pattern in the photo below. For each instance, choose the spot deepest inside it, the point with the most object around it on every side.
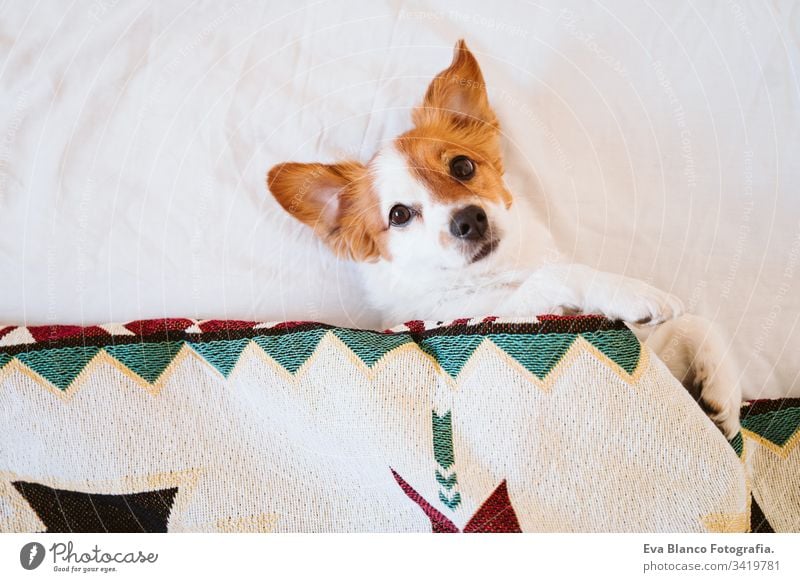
(64, 511)
(758, 521)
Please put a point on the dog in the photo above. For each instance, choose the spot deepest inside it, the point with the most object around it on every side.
(437, 235)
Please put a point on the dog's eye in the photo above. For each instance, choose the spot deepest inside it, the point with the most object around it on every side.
(462, 168)
(400, 215)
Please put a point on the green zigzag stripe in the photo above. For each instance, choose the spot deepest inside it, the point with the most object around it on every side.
(292, 350)
(148, 360)
(59, 365)
(777, 426)
(538, 354)
(443, 439)
(619, 345)
(370, 346)
(451, 352)
(737, 443)
(222, 354)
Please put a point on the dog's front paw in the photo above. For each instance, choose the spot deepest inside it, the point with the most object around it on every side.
(642, 304)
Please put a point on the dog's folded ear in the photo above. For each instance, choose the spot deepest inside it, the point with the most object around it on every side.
(312, 192)
(457, 94)
(333, 199)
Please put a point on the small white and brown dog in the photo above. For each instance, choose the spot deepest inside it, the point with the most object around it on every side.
(437, 236)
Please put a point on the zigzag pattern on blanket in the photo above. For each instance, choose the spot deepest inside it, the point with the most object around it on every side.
(775, 422)
(485, 425)
(768, 444)
(59, 354)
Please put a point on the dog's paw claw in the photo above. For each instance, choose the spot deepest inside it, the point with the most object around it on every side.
(647, 306)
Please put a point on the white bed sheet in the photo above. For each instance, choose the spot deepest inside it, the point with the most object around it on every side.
(659, 138)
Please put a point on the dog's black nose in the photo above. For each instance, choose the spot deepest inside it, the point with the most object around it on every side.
(469, 223)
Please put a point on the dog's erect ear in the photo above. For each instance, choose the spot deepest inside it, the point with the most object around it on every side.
(333, 199)
(457, 94)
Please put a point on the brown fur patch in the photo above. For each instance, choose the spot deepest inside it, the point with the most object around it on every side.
(712, 409)
(458, 92)
(455, 119)
(429, 151)
(337, 201)
(695, 384)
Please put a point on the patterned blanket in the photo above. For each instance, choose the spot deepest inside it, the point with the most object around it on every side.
(565, 424)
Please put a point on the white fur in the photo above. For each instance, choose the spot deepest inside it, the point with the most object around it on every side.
(415, 244)
(430, 277)
(696, 354)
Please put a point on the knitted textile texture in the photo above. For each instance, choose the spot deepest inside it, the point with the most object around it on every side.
(562, 424)
(768, 446)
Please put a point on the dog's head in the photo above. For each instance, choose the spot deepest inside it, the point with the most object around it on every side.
(432, 198)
